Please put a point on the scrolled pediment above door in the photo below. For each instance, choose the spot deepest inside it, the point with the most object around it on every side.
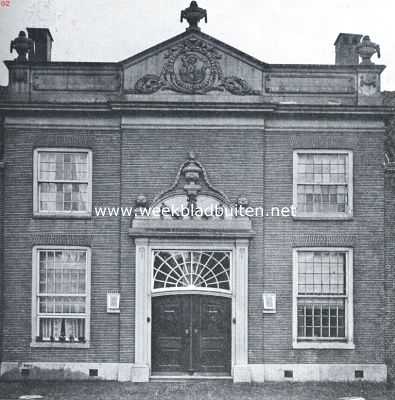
(191, 207)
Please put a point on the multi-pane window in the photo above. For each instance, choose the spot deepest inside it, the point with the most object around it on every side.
(62, 181)
(322, 282)
(178, 269)
(323, 183)
(61, 299)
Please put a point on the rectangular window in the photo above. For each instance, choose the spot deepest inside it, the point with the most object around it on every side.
(62, 182)
(323, 183)
(322, 297)
(61, 281)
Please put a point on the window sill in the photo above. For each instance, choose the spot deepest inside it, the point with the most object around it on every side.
(323, 217)
(323, 345)
(60, 345)
(62, 216)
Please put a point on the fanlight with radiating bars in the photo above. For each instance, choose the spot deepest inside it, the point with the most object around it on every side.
(203, 270)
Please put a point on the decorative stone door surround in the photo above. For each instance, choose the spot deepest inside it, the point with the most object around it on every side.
(144, 250)
(168, 232)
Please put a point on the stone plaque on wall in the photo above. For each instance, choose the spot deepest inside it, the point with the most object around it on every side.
(77, 81)
(309, 83)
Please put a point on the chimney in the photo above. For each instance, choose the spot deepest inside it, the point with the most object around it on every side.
(346, 53)
(42, 39)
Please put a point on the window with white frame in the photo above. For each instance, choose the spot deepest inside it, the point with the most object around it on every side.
(61, 287)
(323, 297)
(62, 182)
(323, 183)
(197, 269)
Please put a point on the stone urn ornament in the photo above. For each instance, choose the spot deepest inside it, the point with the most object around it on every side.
(193, 14)
(23, 45)
(366, 49)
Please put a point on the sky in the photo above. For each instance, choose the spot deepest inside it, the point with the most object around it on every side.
(274, 31)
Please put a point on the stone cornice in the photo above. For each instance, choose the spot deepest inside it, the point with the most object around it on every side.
(82, 107)
(371, 110)
(193, 107)
(234, 228)
(325, 67)
(65, 64)
(126, 106)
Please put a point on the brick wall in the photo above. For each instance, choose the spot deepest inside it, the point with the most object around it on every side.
(22, 232)
(1, 233)
(364, 233)
(389, 100)
(254, 163)
(234, 163)
(390, 271)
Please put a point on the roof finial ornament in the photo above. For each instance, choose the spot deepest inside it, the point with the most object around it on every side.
(193, 14)
(366, 49)
(22, 45)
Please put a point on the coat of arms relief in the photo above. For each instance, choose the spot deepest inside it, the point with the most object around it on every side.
(192, 67)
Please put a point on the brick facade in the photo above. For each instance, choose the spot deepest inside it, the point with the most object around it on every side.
(2, 193)
(389, 245)
(245, 142)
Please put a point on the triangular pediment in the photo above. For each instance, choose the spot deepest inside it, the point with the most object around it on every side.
(192, 63)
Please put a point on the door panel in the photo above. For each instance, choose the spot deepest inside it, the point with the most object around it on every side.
(212, 333)
(170, 318)
(191, 334)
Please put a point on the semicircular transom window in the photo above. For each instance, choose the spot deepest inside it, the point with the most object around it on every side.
(202, 270)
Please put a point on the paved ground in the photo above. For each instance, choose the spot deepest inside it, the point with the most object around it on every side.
(193, 391)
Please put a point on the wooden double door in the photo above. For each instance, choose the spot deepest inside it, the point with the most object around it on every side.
(191, 334)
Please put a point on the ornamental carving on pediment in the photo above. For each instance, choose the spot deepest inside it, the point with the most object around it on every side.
(192, 181)
(192, 67)
(191, 196)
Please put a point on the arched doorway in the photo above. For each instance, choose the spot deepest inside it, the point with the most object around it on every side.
(191, 312)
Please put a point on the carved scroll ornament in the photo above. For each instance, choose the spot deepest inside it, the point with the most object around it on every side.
(192, 67)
